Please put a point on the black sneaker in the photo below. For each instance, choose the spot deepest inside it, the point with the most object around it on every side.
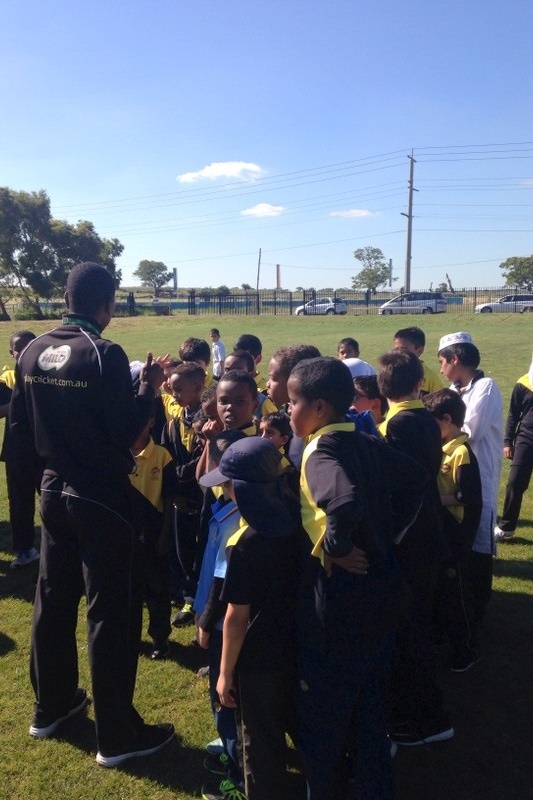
(42, 728)
(184, 617)
(151, 739)
(160, 650)
(410, 735)
(217, 765)
(225, 790)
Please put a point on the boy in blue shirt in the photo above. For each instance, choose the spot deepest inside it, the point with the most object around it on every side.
(209, 610)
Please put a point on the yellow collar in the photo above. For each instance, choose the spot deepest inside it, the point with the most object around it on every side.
(395, 408)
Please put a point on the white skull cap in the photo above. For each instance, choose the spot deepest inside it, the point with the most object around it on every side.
(461, 337)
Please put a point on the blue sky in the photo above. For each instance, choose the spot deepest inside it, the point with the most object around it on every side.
(199, 132)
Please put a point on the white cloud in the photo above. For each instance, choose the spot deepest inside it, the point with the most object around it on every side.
(241, 170)
(354, 213)
(263, 210)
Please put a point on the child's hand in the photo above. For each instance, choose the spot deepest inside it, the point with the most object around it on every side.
(226, 691)
(202, 637)
(152, 373)
(211, 428)
(355, 562)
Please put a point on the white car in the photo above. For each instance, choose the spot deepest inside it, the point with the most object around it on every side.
(415, 303)
(509, 303)
(323, 305)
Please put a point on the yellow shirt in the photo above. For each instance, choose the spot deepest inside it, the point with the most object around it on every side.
(454, 455)
(314, 518)
(8, 377)
(148, 477)
(431, 381)
(170, 405)
(260, 382)
(395, 408)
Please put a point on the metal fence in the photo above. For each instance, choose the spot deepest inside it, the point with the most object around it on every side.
(272, 302)
(283, 303)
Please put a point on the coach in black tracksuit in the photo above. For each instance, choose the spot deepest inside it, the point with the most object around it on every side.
(74, 398)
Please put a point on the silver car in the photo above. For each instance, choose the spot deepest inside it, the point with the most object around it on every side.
(415, 303)
(509, 303)
(323, 305)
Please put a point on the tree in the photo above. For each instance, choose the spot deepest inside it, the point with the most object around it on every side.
(246, 287)
(37, 251)
(375, 272)
(518, 271)
(154, 274)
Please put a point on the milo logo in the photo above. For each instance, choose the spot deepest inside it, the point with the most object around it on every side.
(54, 357)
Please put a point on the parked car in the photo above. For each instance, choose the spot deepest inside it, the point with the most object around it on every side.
(509, 303)
(323, 305)
(415, 303)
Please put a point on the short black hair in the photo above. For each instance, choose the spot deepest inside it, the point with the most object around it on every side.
(246, 356)
(23, 336)
(287, 357)
(240, 376)
(215, 331)
(247, 341)
(399, 373)
(349, 342)
(325, 378)
(193, 348)
(467, 353)
(220, 443)
(279, 420)
(369, 385)
(208, 394)
(191, 371)
(446, 401)
(90, 288)
(414, 335)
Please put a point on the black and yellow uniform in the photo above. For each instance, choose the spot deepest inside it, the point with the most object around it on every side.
(454, 611)
(24, 471)
(346, 620)
(180, 440)
(154, 480)
(74, 399)
(415, 695)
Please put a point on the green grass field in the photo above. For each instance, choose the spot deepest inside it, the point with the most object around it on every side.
(490, 756)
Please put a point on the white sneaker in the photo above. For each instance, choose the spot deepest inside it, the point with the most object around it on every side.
(215, 747)
(500, 535)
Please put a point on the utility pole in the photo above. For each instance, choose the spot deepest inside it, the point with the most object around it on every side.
(258, 270)
(409, 215)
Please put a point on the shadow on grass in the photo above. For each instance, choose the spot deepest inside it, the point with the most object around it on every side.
(188, 656)
(6, 644)
(511, 568)
(178, 768)
(18, 583)
(491, 707)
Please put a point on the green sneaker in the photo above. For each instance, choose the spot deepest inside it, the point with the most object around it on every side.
(184, 617)
(225, 790)
(217, 765)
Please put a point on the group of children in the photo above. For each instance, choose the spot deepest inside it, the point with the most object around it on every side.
(320, 561)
